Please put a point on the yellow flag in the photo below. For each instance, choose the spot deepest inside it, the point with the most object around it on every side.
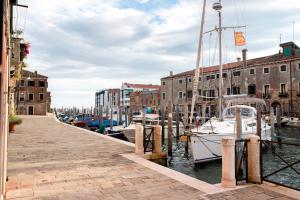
(239, 39)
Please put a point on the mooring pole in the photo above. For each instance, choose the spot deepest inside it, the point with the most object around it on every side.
(163, 125)
(258, 121)
(126, 116)
(100, 117)
(111, 118)
(177, 122)
(120, 116)
(278, 114)
(272, 117)
(170, 126)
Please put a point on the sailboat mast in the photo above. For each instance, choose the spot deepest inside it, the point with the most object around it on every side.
(217, 6)
(197, 71)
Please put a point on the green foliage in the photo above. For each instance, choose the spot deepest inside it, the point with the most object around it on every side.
(14, 119)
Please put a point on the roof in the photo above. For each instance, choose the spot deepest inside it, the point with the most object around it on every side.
(34, 74)
(250, 63)
(144, 86)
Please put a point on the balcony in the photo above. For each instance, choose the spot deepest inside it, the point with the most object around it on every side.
(266, 96)
(283, 94)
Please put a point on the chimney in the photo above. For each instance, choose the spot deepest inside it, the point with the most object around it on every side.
(35, 73)
(171, 73)
(238, 59)
(244, 52)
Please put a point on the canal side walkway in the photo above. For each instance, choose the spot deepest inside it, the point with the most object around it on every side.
(51, 160)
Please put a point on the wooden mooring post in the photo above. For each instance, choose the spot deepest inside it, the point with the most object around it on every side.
(258, 121)
(170, 127)
(177, 122)
(126, 116)
(278, 116)
(163, 125)
(111, 118)
(120, 115)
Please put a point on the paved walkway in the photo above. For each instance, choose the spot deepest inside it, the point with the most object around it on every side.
(50, 160)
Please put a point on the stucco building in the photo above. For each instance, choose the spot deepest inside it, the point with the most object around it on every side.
(32, 94)
(275, 78)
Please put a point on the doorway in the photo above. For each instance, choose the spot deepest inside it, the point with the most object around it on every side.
(30, 110)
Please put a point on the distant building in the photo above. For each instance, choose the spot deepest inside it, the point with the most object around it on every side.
(274, 78)
(32, 94)
(108, 98)
(127, 88)
(145, 99)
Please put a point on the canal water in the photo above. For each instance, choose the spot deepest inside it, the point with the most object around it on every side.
(211, 172)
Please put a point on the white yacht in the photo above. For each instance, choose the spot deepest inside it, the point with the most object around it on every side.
(206, 140)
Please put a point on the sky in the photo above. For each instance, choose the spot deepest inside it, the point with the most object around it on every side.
(87, 45)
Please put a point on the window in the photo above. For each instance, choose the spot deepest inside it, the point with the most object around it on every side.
(212, 76)
(200, 92)
(189, 94)
(190, 80)
(251, 89)
(208, 77)
(266, 70)
(180, 95)
(236, 73)
(211, 93)
(163, 83)
(236, 90)
(180, 81)
(266, 89)
(298, 65)
(41, 96)
(224, 75)
(22, 97)
(199, 79)
(299, 87)
(252, 71)
(22, 83)
(228, 91)
(283, 68)
(218, 75)
(30, 97)
(283, 88)
(31, 83)
(41, 83)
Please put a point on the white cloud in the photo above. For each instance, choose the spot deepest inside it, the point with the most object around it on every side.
(87, 45)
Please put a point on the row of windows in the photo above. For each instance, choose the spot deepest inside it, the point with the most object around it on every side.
(266, 70)
(31, 97)
(31, 83)
(235, 90)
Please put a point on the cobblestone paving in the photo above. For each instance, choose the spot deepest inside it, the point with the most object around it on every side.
(49, 160)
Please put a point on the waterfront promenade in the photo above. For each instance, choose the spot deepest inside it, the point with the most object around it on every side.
(51, 160)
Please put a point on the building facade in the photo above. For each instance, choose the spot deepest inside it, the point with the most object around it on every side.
(145, 100)
(274, 78)
(108, 98)
(32, 94)
(128, 88)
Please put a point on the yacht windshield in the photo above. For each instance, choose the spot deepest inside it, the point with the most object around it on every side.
(231, 112)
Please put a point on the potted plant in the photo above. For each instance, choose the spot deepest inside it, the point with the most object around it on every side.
(13, 121)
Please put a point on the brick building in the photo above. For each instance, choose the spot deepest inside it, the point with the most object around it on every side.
(275, 78)
(32, 95)
(128, 88)
(145, 99)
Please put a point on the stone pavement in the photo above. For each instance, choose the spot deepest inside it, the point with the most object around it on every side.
(50, 160)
